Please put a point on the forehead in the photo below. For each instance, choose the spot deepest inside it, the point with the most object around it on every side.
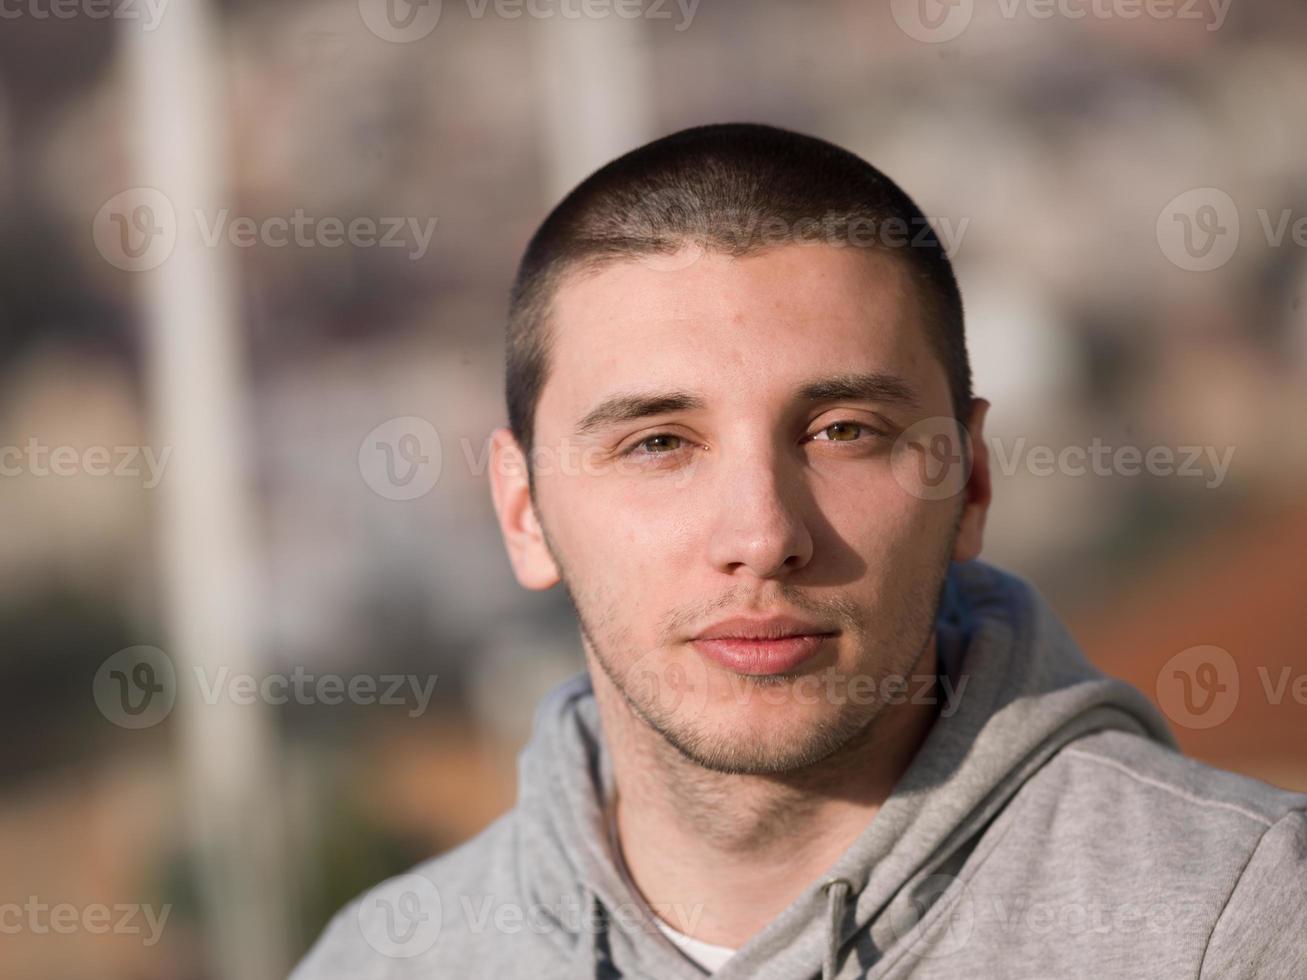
(735, 328)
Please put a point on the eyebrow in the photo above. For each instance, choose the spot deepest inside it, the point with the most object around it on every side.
(875, 386)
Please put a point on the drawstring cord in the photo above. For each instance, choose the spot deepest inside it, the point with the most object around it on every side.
(597, 955)
(596, 952)
(837, 894)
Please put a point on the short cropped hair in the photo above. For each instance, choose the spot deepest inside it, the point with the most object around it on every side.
(737, 189)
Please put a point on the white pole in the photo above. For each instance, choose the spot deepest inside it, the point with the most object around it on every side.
(594, 76)
(207, 559)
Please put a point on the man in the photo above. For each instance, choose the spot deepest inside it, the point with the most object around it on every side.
(816, 737)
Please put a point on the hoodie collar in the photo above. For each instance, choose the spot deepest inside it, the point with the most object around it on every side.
(1023, 691)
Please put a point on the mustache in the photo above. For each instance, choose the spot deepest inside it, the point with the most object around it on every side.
(838, 609)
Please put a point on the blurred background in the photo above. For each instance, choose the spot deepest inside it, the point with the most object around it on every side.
(254, 261)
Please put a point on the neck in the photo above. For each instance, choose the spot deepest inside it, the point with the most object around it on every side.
(718, 855)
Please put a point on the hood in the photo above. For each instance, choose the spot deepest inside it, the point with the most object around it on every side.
(1028, 691)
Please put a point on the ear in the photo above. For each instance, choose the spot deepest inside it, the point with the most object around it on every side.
(978, 491)
(533, 565)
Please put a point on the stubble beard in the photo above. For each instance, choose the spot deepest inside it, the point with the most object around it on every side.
(841, 732)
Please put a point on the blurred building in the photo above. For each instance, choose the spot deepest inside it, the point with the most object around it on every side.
(1050, 148)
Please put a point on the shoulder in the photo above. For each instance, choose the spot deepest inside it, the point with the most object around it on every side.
(1251, 834)
(1120, 799)
(1135, 782)
(442, 917)
(1219, 855)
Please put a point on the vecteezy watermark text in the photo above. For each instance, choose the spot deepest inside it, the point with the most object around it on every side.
(1102, 459)
(932, 459)
(138, 229)
(309, 231)
(938, 21)
(137, 688)
(149, 12)
(405, 21)
(402, 459)
(698, 234)
(65, 918)
(1201, 686)
(836, 687)
(35, 458)
(404, 916)
(684, 687)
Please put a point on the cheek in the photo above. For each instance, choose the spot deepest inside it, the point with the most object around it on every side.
(634, 532)
(631, 553)
(654, 535)
(874, 511)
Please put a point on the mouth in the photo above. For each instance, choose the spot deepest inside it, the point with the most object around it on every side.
(762, 647)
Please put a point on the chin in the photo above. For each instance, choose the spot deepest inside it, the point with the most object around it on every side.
(758, 737)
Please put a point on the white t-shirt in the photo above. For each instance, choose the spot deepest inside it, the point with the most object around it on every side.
(708, 955)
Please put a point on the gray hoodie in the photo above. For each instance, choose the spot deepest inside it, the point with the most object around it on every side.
(1046, 828)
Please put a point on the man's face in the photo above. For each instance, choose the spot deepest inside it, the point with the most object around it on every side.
(750, 473)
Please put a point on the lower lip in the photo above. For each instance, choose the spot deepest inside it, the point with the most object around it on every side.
(760, 657)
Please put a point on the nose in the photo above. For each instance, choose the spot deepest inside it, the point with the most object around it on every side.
(759, 527)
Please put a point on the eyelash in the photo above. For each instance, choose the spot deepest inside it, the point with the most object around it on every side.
(634, 448)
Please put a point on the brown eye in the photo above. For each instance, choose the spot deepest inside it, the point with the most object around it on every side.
(659, 443)
(843, 431)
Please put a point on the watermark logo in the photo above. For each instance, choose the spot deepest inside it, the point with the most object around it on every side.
(937, 21)
(691, 232)
(401, 918)
(932, 459)
(1199, 230)
(949, 932)
(1199, 687)
(932, 21)
(400, 21)
(405, 21)
(136, 230)
(401, 458)
(136, 687)
(665, 688)
(677, 209)
(687, 253)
